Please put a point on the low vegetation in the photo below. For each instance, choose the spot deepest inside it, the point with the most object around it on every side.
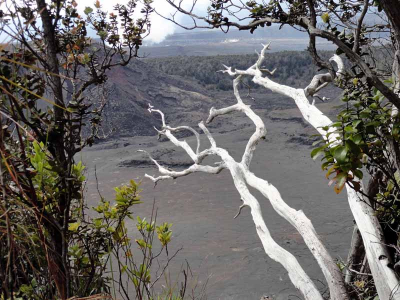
(295, 68)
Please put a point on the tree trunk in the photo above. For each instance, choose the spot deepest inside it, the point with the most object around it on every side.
(392, 10)
(57, 146)
(355, 258)
(386, 281)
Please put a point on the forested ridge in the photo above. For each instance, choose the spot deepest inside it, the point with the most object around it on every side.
(294, 68)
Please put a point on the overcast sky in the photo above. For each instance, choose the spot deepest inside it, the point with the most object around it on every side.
(160, 28)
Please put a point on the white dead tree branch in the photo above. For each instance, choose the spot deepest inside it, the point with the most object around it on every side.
(243, 177)
(385, 279)
(386, 282)
(239, 174)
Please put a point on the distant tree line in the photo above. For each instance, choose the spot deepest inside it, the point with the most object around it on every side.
(293, 67)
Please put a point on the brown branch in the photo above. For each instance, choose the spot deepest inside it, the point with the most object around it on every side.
(372, 78)
(359, 26)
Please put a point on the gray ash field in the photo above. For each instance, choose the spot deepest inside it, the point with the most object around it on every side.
(201, 206)
(223, 251)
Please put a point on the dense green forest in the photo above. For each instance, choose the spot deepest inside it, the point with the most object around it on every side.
(293, 68)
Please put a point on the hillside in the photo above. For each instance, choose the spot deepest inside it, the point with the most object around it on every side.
(185, 88)
(134, 87)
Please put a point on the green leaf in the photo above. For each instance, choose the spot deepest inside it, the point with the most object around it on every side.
(365, 113)
(102, 34)
(123, 269)
(98, 222)
(340, 154)
(390, 185)
(355, 150)
(358, 174)
(350, 129)
(337, 124)
(357, 139)
(397, 176)
(135, 281)
(74, 226)
(142, 244)
(330, 171)
(325, 17)
(373, 124)
(341, 179)
(316, 152)
(356, 123)
(388, 81)
(88, 10)
(374, 105)
(317, 142)
(325, 165)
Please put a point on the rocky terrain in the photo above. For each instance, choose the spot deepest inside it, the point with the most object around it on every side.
(134, 87)
(225, 254)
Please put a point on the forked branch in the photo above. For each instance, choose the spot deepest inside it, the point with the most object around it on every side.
(386, 281)
(243, 177)
(240, 173)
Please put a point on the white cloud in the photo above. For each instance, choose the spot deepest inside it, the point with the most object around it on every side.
(160, 27)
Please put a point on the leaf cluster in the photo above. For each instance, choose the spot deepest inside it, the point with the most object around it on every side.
(367, 136)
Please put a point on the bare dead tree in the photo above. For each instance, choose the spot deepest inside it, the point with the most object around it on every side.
(385, 278)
